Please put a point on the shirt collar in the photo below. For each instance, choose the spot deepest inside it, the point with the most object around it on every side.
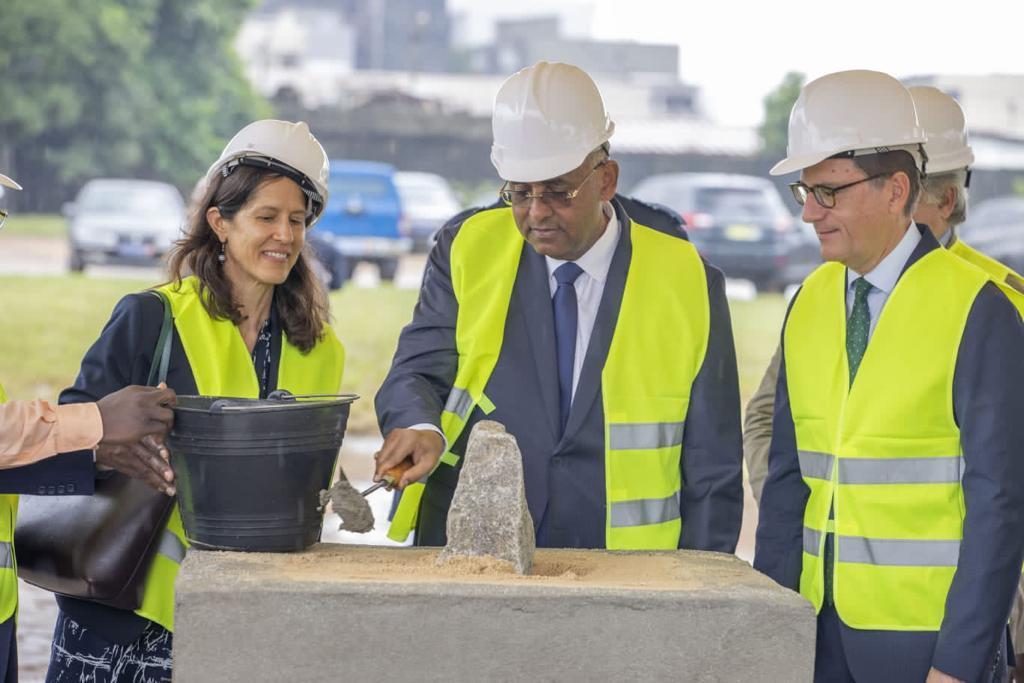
(887, 272)
(598, 259)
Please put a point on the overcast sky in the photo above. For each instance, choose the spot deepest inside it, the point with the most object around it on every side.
(738, 51)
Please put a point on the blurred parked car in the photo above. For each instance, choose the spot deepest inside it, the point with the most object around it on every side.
(738, 223)
(363, 221)
(427, 202)
(117, 220)
(996, 227)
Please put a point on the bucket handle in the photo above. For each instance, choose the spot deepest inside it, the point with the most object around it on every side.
(285, 395)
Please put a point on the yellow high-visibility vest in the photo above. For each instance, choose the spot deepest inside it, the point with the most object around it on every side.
(222, 366)
(1008, 280)
(656, 352)
(8, 565)
(885, 452)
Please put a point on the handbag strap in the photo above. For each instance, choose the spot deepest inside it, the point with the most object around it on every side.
(162, 353)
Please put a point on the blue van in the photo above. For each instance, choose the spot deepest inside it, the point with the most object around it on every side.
(363, 221)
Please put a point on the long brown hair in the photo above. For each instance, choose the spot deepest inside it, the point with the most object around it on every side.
(301, 300)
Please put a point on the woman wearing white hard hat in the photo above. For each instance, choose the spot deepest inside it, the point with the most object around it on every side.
(250, 317)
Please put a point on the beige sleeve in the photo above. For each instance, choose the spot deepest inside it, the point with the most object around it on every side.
(33, 430)
(757, 427)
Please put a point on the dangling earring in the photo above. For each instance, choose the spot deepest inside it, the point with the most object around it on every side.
(222, 257)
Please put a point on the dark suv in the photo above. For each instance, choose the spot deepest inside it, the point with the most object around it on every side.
(739, 223)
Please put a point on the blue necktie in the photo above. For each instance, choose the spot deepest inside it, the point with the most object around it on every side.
(566, 313)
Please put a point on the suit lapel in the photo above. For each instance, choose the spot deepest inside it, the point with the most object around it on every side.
(534, 301)
(604, 329)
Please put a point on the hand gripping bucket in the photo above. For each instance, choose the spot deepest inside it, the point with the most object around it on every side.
(249, 470)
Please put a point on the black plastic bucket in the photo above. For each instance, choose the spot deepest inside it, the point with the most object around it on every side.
(249, 470)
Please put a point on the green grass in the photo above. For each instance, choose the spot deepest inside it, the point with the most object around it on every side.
(49, 323)
(36, 225)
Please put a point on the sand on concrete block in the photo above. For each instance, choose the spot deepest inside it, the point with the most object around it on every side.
(552, 567)
(344, 612)
(489, 517)
(350, 505)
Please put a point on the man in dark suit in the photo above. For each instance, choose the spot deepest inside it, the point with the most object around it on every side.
(893, 500)
(636, 342)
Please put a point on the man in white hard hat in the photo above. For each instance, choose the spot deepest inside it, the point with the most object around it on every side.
(559, 316)
(942, 207)
(31, 431)
(893, 499)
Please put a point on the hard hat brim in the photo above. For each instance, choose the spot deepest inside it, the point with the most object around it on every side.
(798, 163)
(7, 182)
(535, 170)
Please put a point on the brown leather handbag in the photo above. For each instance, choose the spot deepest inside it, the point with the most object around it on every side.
(98, 547)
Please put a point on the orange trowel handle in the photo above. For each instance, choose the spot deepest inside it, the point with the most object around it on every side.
(394, 475)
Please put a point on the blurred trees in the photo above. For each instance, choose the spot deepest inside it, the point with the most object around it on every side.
(137, 88)
(774, 129)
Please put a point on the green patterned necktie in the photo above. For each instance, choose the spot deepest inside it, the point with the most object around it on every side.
(858, 326)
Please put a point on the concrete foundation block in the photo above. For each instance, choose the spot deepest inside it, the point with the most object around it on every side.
(358, 613)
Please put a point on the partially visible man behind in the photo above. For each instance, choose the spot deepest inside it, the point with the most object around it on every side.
(893, 500)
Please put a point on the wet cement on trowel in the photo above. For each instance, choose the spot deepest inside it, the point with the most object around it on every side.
(563, 568)
(350, 505)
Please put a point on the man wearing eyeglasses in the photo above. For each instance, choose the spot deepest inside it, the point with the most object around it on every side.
(561, 317)
(893, 500)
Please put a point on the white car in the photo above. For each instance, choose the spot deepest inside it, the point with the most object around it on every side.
(115, 220)
(427, 202)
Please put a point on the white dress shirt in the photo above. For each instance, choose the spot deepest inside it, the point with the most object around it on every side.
(589, 288)
(883, 277)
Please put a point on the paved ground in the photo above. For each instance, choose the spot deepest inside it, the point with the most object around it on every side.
(25, 255)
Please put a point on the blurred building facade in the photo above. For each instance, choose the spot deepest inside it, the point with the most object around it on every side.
(386, 80)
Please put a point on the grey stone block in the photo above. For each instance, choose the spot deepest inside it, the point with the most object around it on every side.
(356, 613)
(489, 515)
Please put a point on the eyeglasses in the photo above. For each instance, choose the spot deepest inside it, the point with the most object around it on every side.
(3, 217)
(556, 200)
(823, 194)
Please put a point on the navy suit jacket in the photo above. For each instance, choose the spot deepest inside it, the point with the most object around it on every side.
(988, 404)
(565, 481)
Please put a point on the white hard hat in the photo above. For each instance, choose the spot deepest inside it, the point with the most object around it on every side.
(851, 112)
(7, 182)
(944, 126)
(547, 119)
(284, 147)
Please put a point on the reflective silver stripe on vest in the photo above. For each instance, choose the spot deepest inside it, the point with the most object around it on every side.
(814, 465)
(812, 541)
(459, 402)
(623, 437)
(6, 556)
(645, 511)
(944, 470)
(898, 552)
(171, 547)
